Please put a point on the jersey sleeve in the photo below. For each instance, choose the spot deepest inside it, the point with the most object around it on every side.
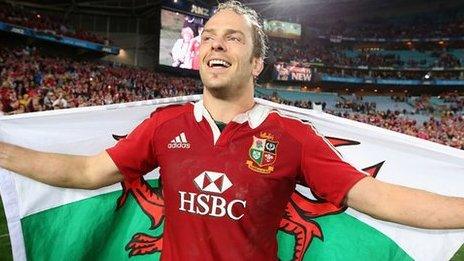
(135, 155)
(324, 171)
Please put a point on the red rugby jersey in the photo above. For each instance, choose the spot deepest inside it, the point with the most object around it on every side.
(225, 193)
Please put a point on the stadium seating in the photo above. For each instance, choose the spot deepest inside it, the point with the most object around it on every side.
(15, 15)
(31, 80)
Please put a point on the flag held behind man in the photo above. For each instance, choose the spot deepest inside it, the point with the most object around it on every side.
(55, 223)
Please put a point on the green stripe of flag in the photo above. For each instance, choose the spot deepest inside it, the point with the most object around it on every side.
(91, 229)
(347, 238)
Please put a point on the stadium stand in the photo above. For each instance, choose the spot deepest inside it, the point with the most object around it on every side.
(35, 79)
(416, 116)
(427, 25)
(36, 20)
(31, 81)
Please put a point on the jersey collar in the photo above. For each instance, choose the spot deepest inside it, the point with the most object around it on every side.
(255, 116)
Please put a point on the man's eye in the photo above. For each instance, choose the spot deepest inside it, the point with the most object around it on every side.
(206, 38)
(234, 38)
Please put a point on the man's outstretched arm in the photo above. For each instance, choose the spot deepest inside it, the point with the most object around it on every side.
(408, 206)
(72, 171)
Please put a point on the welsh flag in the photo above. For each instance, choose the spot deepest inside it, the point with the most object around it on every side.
(126, 222)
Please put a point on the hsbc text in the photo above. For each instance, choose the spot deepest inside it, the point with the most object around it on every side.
(210, 205)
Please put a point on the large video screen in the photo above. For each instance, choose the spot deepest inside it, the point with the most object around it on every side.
(276, 28)
(180, 39)
(292, 71)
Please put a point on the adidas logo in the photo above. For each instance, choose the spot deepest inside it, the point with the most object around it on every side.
(179, 142)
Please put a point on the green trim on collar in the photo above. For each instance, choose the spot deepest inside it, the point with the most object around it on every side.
(221, 125)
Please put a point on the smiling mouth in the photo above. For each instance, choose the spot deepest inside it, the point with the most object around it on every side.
(218, 63)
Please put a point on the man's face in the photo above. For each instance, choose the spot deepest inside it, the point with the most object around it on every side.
(226, 53)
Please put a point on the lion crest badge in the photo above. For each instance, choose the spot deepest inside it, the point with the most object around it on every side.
(262, 153)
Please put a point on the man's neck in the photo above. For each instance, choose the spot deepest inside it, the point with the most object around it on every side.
(226, 110)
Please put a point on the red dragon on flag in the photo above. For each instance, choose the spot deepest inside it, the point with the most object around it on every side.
(298, 218)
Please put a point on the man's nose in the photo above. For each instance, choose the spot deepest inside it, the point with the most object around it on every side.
(218, 44)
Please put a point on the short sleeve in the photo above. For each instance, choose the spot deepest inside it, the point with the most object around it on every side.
(324, 171)
(135, 155)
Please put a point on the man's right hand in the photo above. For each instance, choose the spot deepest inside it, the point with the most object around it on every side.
(61, 170)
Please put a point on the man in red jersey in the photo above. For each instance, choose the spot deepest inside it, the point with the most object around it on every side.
(212, 206)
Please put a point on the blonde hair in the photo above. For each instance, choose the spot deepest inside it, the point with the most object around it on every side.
(258, 35)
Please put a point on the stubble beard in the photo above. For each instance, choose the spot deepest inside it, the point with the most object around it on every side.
(221, 90)
(225, 89)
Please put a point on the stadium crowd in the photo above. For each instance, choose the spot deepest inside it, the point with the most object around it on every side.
(54, 25)
(288, 51)
(420, 27)
(447, 128)
(31, 82)
(405, 60)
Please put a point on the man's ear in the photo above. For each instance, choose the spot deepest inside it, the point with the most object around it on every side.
(258, 65)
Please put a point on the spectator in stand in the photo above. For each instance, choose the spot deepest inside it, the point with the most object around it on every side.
(60, 102)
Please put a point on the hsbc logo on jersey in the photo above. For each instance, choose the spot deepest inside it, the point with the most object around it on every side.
(209, 181)
(207, 204)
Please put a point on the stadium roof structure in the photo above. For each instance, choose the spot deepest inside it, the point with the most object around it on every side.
(301, 11)
(99, 7)
(328, 11)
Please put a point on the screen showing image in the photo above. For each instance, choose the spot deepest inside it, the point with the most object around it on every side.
(282, 29)
(292, 71)
(180, 39)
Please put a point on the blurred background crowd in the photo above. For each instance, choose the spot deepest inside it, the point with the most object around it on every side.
(34, 77)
